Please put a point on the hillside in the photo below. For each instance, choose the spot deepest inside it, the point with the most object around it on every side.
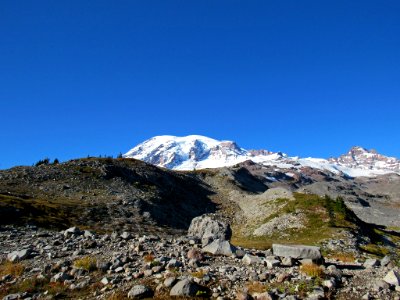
(131, 235)
(102, 194)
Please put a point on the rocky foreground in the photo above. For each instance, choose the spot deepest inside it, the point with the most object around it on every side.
(79, 264)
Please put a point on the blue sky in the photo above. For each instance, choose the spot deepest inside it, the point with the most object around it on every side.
(310, 78)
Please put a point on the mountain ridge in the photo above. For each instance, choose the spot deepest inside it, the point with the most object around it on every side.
(200, 152)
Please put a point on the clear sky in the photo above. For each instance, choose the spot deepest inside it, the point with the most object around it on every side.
(309, 78)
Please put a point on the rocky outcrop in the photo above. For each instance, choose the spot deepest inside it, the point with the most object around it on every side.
(208, 228)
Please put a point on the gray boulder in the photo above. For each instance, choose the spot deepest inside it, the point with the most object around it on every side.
(126, 235)
(386, 261)
(73, 231)
(13, 297)
(208, 229)
(297, 251)
(371, 262)
(140, 292)
(251, 259)
(60, 277)
(185, 288)
(19, 255)
(393, 278)
(220, 247)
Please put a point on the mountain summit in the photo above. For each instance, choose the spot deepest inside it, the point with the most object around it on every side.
(359, 157)
(200, 152)
(188, 153)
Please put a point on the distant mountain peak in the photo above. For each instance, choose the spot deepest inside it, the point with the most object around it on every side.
(201, 152)
(359, 157)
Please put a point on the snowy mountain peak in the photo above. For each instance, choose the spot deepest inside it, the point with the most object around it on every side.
(187, 153)
(361, 158)
(200, 152)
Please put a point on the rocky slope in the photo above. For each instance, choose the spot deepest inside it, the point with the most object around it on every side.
(102, 194)
(120, 200)
(76, 264)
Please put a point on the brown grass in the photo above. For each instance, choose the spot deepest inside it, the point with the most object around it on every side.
(312, 270)
(255, 287)
(117, 296)
(14, 269)
(148, 258)
(87, 263)
(343, 257)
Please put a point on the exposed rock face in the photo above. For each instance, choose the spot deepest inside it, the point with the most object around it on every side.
(297, 251)
(208, 229)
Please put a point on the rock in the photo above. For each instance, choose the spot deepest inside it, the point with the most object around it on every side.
(367, 296)
(386, 260)
(243, 296)
(173, 263)
(185, 288)
(371, 262)
(393, 278)
(195, 253)
(335, 272)
(73, 231)
(251, 259)
(317, 293)
(88, 234)
(220, 247)
(240, 253)
(168, 282)
(19, 255)
(140, 292)
(105, 281)
(103, 266)
(271, 262)
(60, 277)
(297, 251)
(287, 261)
(12, 297)
(283, 277)
(329, 283)
(381, 285)
(126, 235)
(208, 229)
(263, 296)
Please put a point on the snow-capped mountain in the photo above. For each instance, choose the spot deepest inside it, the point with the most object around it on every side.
(200, 152)
(362, 158)
(188, 153)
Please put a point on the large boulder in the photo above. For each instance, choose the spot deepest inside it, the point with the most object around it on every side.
(220, 247)
(19, 255)
(185, 288)
(140, 292)
(393, 278)
(297, 251)
(208, 229)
